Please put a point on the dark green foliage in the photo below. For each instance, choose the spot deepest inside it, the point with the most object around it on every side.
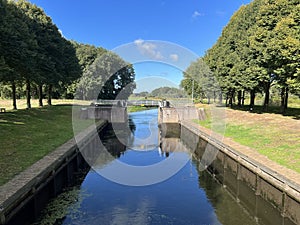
(108, 77)
(258, 48)
(167, 92)
(34, 55)
(199, 79)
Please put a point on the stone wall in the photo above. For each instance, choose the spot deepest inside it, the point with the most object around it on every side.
(267, 196)
(178, 114)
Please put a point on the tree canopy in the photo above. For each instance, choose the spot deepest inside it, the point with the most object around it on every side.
(258, 48)
(36, 57)
(167, 92)
(108, 77)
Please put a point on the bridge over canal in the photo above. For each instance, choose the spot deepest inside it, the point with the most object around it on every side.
(116, 110)
(124, 103)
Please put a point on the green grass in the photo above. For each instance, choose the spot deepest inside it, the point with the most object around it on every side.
(21, 103)
(267, 140)
(28, 135)
(244, 135)
(131, 109)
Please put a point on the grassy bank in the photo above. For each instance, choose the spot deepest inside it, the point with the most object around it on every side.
(271, 134)
(28, 135)
(131, 109)
(21, 103)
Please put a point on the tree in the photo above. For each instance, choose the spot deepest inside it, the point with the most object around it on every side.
(167, 92)
(275, 44)
(17, 45)
(108, 77)
(201, 79)
(55, 63)
(124, 84)
(259, 47)
(287, 59)
(86, 55)
(231, 58)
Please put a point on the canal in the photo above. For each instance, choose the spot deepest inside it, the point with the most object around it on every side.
(130, 194)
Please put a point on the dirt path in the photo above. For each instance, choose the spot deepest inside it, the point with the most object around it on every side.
(281, 150)
(285, 125)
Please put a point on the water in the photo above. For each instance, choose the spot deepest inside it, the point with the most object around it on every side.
(187, 197)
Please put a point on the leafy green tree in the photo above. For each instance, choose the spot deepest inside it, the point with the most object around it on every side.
(124, 84)
(17, 45)
(56, 62)
(286, 43)
(259, 47)
(86, 55)
(275, 44)
(106, 78)
(199, 75)
(167, 92)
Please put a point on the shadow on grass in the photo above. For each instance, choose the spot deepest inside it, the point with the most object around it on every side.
(23, 116)
(291, 112)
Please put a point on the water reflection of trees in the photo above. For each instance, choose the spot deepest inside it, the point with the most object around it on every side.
(227, 209)
(116, 137)
(131, 125)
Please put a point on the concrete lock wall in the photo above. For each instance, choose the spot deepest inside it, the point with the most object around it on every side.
(178, 114)
(23, 198)
(110, 113)
(270, 198)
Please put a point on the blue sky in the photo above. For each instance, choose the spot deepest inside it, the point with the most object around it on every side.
(195, 25)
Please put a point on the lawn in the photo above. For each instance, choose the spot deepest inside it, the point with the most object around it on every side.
(271, 134)
(131, 109)
(28, 135)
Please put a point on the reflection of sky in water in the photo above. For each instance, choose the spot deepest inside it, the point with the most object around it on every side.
(188, 197)
(175, 201)
(145, 147)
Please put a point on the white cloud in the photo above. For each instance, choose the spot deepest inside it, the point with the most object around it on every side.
(138, 42)
(197, 14)
(174, 57)
(149, 49)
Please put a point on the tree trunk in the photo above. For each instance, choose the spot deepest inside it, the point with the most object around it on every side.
(215, 96)
(13, 87)
(286, 98)
(231, 98)
(40, 95)
(284, 95)
(28, 100)
(267, 96)
(239, 98)
(252, 100)
(49, 101)
(226, 102)
(220, 98)
(243, 98)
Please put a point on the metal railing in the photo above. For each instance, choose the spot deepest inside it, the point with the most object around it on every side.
(124, 103)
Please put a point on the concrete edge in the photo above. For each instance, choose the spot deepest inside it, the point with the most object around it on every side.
(26, 181)
(276, 178)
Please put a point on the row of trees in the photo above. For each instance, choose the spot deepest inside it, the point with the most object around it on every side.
(257, 49)
(35, 55)
(33, 51)
(162, 92)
